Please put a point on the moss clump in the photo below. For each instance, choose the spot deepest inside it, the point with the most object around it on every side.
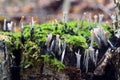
(31, 49)
(76, 41)
(57, 65)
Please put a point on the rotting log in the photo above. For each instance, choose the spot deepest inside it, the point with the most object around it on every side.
(103, 62)
(4, 62)
(51, 73)
(73, 73)
(109, 56)
(116, 61)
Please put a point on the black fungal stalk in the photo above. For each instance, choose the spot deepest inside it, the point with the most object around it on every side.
(5, 50)
(32, 34)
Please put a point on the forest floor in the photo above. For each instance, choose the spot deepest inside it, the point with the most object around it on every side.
(47, 11)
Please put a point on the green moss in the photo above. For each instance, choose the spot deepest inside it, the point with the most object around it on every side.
(46, 58)
(57, 65)
(76, 41)
(31, 49)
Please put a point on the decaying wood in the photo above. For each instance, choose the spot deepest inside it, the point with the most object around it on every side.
(104, 61)
(73, 73)
(116, 61)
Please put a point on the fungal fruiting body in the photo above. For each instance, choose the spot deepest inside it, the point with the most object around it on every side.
(48, 40)
(78, 57)
(4, 26)
(9, 25)
(63, 52)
